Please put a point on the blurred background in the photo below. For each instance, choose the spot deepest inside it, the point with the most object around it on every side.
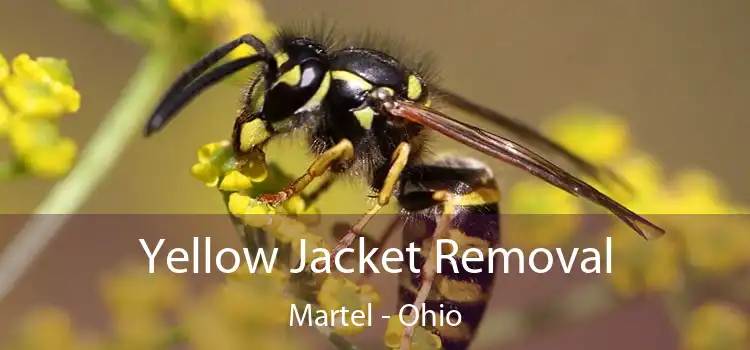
(674, 71)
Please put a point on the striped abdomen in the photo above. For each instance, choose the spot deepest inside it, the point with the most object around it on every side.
(475, 224)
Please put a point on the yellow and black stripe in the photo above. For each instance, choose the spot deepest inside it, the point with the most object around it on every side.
(474, 200)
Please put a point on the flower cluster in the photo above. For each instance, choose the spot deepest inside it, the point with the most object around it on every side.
(152, 311)
(716, 325)
(37, 92)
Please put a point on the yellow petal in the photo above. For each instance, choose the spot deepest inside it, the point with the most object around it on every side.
(54, 161)
(207, 151)
(206, 173)
(25, 66)
(35, 98)
(235, 181)
(202, 11)
(289, 230)
(5, 117)
(27, 135)
(294, 205)
(238, 203)
(4, 69)
(393, 333)
(717, 326)
(257, 214)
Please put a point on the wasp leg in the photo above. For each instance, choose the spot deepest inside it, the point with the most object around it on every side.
(341, 152)
(398, 163)
(429, 269)
(325, 185)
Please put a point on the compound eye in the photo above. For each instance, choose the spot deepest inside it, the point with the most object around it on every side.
(416, 90)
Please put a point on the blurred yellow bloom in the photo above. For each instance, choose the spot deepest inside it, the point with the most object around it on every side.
(203, 11)
(6, 116)
(274, 280)
(542, 215)
(717, 326)
(338, 292)
(49, 328)
(42, 87)
(4, 69)
(238, 314)
(53, 161)
(421, 339)
(312, 242)
(537, 197)
(252, 304)
(640, 266)
(286, 229)
(134, 288)
(643, 173)
(596, 136)
(715, 243)
(39, 146)
(244, 17)
(38, 91)
(696, 192)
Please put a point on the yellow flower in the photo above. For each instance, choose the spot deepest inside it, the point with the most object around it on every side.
(205, 172)
(559, 220)
(235, 181)
(294, 205)
(253, 213)
(275, 280)
(640, 266)
(136, 289)
(243, 312)
(337, 293)
(715, 243)
(215, 161)
(207, 152)
(717, 326)
(244, 17)
(252, 304)
(4, 69)
(52, 161)
(312, 242)
(421, 338)
(42, 87)
(56, 328)
(286, 229)
(696, 192)
(43, 151)
(6, 117)
(643, 173)
(201, 11)
(596, 136)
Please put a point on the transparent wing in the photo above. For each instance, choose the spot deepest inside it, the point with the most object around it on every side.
(532, 137)
(519, 156)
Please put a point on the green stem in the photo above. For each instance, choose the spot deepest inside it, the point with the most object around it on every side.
(121, 124)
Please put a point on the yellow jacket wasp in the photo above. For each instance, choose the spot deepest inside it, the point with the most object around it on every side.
(366, 114)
